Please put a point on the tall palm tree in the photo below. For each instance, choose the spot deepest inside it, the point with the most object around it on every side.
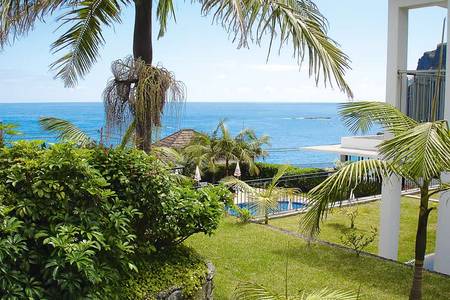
(139, 90)
(417, 151)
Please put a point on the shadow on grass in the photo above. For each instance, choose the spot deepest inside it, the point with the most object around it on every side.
(337, 263)
(339, 226)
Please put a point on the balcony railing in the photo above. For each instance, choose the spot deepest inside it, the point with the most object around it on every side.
(419, 88)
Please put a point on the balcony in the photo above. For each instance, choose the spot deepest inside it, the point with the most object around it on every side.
(417, 92)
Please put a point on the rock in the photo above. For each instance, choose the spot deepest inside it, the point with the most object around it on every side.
(430, 59)
(206, 292)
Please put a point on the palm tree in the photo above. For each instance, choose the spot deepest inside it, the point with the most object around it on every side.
(254, 291)
(417, 151)
(139, 90)
(251, 147)
(263, 200)
(209, 151)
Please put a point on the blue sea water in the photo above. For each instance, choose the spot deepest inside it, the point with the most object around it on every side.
(290, 125)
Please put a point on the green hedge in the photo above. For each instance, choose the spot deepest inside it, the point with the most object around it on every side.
(266, 170)
(75, 223)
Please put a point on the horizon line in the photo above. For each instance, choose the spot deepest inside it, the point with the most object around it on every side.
(185, 102)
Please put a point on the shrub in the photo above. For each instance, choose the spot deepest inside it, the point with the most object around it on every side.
(245, 215)
(367, 189)
(73, 222)
(351, 212)
(358, 241)
(170, 212)
(179, 267)
(63, 233)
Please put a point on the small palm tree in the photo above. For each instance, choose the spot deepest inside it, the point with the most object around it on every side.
(254, 291)
(264, 200)
(139, 91)
(417, 151)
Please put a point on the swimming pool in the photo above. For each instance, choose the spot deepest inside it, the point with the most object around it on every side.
(283, 206)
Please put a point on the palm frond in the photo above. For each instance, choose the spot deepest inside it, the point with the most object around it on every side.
(164, 11)
(168, 155)
(280, 173)
(66, 131)
(18, 17)
(420, 152)
(328, 294)
(234, 182)
(253, 291)
(84, 38)
(295, 22)
(337, 187)
(362, 115)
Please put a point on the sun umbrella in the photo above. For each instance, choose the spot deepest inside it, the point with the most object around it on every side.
(237, 171)
(197, 176)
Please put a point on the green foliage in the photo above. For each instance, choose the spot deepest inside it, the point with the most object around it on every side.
(63, 233)
(215, 152)
(7, 130)
(351, 212)
(358, 241)
(244, 215)
(73, 222)
(170, 212)
(180, 267)
(266, 170)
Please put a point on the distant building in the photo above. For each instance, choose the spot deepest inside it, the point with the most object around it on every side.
(177, 140)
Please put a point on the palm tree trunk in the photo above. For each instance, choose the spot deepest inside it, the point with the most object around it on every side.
(226, 167)
(421, 244)
(142, 42)
(143, 49)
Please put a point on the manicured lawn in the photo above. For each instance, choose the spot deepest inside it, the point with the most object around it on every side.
(257, 253)
(369, 215)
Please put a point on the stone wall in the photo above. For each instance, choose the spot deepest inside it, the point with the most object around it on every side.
(206, 293)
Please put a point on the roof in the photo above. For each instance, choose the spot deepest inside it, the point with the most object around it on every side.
(338, 149)
(178, 140)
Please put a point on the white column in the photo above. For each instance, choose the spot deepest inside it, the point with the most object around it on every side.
(397, 52)
(397, 58)
(442, 255)
(390, 217)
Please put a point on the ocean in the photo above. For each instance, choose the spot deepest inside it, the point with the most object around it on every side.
(291, 126)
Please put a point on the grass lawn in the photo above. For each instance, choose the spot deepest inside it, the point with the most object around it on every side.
(369, 215)
(257, 253)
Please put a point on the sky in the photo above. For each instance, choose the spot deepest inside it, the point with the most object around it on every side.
(203, 56)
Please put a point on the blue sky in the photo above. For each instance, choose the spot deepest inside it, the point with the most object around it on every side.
(202, 55)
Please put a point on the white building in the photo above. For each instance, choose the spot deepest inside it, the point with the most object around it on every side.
(396, 94)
